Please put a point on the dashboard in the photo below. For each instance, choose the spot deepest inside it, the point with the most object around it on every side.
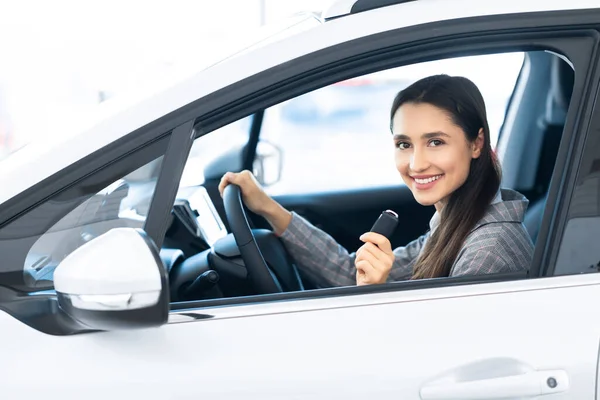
(196, 211)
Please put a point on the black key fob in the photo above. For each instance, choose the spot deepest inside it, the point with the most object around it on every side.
(386, 223)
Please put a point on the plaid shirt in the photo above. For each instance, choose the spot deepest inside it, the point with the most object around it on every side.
(499, 242)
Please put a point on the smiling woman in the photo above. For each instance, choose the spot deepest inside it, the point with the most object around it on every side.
(444, 156)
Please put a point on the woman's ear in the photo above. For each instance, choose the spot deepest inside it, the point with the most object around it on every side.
(477, 145)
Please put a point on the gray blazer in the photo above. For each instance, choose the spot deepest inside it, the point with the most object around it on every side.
(499, 242)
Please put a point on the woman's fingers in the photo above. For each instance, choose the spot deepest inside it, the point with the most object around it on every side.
(364, 271)
(381, 241)
(252, 193)
(242, 179)
(373, 264)
(367, 255)
(226, 179)
(374, 251)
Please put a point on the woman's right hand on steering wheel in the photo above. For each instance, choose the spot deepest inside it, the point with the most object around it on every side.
(257, 200)
(253, 194)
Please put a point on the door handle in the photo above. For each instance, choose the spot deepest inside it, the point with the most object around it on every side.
(529, 384)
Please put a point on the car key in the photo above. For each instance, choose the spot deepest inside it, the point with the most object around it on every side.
(386, 223)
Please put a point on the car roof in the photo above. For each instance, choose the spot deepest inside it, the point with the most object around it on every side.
(43, 159)
(341, 8)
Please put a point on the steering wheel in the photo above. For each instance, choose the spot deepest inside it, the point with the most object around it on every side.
(259, 273)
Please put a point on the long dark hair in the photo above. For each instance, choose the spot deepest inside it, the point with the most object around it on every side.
(463, 102)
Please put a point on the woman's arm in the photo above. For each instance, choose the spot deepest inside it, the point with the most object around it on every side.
(320, 256)
(313, 250)
(495, 248)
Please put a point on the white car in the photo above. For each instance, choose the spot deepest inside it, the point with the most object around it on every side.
(120, 281)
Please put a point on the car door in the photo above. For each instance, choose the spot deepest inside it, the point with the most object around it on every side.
(451, 338)
(497, 340)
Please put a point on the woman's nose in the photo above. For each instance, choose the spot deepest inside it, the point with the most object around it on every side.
(418, 161)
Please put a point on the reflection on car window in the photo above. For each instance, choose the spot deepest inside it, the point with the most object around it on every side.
(225, 143)
(580, 250)
(124, 203)
(344, 128)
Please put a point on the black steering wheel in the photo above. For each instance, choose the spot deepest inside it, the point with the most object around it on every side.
(263, 278)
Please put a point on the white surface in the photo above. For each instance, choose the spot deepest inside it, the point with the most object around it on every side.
(384, 346)
(115, 263)
(41, 160)
(527, 385)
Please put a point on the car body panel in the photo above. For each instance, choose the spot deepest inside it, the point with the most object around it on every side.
(351, 347)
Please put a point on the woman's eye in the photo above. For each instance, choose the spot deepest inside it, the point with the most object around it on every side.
(436, 142)
(402, 145)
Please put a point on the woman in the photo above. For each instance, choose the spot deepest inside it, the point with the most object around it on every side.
(443, 153)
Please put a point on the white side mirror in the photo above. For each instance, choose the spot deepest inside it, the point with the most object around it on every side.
(115, 281)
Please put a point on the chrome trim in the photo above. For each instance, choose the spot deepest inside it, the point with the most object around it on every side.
(114, 302)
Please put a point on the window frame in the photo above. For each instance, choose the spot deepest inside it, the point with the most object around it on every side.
(585, 152)
(167, 184)
(578, 127)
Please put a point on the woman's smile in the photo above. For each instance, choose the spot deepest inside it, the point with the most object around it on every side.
(425, 182)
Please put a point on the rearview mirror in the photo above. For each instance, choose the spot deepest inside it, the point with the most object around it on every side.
(115, 281)
(268, 163)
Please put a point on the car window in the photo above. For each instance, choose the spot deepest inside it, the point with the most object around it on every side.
(337, 137)
(579, 251)
(208, 151)
(115, 194)
(123, 203)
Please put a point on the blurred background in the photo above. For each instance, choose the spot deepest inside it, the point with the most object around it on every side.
(60, 59)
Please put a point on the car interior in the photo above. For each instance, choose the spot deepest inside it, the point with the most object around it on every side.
(214, 248)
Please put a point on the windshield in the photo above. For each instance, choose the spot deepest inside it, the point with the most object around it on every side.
(68, 79)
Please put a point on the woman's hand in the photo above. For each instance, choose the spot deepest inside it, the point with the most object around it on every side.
(374, 259)
(253, 194)
(257, 200)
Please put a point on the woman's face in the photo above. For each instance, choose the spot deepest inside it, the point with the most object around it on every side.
(433, 154)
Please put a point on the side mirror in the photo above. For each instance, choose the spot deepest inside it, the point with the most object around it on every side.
(115, 281)
(268, 163)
